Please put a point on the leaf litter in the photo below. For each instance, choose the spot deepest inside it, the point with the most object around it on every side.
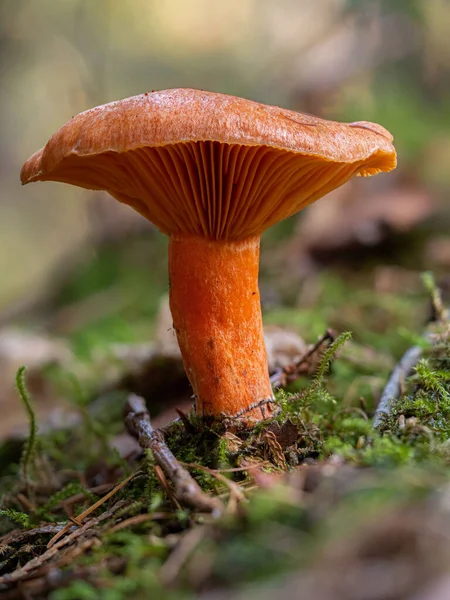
(302, 498)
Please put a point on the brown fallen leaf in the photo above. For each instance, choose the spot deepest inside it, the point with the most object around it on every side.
(349, 218)
(438, 251)
(284, 347)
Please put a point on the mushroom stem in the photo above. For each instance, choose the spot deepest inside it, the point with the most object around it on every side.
(216, 311)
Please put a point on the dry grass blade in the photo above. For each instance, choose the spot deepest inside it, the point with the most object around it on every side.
(181, 553)
(165, 485)
(256, 465)
(26, 503)
(91, 509)
(138, 519)
(80, 496)
(235, 490)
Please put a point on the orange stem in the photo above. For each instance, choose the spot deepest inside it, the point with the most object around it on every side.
(216, 311)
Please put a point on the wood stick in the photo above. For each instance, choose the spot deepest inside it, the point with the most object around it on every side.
(187, 490)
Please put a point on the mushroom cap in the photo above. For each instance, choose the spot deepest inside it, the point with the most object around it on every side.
(203, 163)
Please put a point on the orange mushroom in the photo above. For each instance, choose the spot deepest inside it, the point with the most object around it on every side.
(212, 172)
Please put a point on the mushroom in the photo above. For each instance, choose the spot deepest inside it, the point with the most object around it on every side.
(212, 172)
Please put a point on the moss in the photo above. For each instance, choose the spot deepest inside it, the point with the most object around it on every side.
(323, 420)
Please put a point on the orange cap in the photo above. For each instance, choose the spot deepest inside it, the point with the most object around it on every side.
(202, 163)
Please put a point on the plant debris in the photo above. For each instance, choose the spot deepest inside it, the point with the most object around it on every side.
(197, 508)
(187, 490)
(305, 364)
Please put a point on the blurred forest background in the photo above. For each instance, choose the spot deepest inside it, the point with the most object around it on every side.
(76, 263)
(385, 60)
(84, 285)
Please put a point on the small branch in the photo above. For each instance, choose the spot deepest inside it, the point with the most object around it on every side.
(28, 568)
(290, 373)
(187, 490)
(22, 537)
(395, 382)
(409, 360)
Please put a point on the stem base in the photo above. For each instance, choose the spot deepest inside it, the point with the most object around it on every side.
(216, 311)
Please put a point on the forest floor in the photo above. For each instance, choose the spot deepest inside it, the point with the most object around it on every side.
(318, 503)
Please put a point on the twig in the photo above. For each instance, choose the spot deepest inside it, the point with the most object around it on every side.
(39, 561)
(18, 536)
(187, 490)
(393, 388)
(57, 578)
(291, 372)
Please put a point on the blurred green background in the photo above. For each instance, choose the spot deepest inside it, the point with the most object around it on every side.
(386, 61)
(83, 276)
